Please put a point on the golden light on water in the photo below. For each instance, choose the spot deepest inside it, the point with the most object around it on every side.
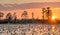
(53, 28)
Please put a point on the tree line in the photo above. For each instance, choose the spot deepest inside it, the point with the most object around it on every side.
(45, 12)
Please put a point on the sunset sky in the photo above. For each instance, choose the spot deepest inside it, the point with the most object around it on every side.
(55, 11)
(25, 1)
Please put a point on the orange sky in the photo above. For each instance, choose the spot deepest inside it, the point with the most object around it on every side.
(37, 12)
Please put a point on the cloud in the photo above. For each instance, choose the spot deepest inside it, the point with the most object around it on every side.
(25, 1)
(29, 5)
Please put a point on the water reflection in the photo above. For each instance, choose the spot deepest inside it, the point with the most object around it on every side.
(29, 29)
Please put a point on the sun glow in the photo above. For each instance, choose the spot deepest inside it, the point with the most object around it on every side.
(54, 21)
(53, 18)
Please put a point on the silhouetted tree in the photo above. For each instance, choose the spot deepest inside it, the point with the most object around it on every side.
(9, 17)
(43, 12)
(14, 17)
(48, 13)
(1, 15)
(32, 15)
(24, 15)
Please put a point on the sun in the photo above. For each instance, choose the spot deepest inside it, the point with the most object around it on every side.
(53, 18)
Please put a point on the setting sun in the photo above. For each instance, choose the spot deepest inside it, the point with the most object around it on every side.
(53, 18)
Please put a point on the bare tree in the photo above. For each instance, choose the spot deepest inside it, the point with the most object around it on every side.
(24, 15)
